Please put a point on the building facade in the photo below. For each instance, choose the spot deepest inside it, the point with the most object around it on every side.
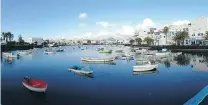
(36, 39)
(197, 30)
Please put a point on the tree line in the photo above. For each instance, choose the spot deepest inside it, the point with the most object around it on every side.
(8, 38)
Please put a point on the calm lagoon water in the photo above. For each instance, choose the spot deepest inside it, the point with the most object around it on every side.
(174, 83)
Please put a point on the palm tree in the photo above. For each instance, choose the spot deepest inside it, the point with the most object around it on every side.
(10, 36)
(165, 31)
(184, 35)
(138, 40)
(21, 41)
(3, 35)
(206, 36)
(148, 40)
(176, 38)
(131, 41)
(180, 37)
(88, 41)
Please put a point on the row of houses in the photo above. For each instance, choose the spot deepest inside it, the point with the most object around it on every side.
(196, 30)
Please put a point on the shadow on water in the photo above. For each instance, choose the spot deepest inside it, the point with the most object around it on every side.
(167, 63)
(84, 75)
(107, 63)
(154, 71)
(40, 96)
(182, 60)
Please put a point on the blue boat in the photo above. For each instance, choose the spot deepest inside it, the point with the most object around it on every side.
(81, 69)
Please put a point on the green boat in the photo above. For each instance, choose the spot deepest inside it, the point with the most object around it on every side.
(106, 51)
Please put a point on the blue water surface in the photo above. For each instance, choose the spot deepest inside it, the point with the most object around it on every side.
(110, 85)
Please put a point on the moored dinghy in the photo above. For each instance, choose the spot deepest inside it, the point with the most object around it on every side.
(105, 51)
(60, 50)
(81, 69)
(6, 53)
(12, 55)
(49, 52)
(98, 59)
(145, 66)
(163, 53)
(34, 85)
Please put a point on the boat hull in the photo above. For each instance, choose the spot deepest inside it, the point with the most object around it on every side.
(11, 56)
(97, 60)
(144, 68)
(80, 71)
(162, 54)
(49, 52)
(33, 88)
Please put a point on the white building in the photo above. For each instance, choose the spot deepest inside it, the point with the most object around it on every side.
(159, 38)
(36, 39)
(197, 31)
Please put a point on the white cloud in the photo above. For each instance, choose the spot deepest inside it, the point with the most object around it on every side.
(82, 24)
(122, 31)
(104, 24)
(181, 22)
(82, 15)
(126, 31)
(146, 23)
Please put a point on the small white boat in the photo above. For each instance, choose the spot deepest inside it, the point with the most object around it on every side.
(24, 53)
(162, 53)
(109, 63)
(34, 85)
(125, 57)
(141, 61)
(97, 59)
(118, 50)
(49, 52)
(179, 53)
(6, 53)
(82, 70)
(11, 56)
(60, 50)
(145, 66)
(141, 51)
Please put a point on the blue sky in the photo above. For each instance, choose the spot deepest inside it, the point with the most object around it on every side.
(50, 18)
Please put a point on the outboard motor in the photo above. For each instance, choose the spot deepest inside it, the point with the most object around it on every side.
(27, 78)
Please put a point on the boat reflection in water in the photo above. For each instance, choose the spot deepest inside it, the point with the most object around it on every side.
(84, 75)
(154, 71)
(109, 63)
(40, 96)
(9, 60)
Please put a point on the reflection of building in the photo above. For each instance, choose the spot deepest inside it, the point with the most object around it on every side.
(199, 63)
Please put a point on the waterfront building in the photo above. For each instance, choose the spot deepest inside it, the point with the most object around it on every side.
(197, 30)
(36, 39)
(159, 38)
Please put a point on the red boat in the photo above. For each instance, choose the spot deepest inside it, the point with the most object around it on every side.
(34, 85)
